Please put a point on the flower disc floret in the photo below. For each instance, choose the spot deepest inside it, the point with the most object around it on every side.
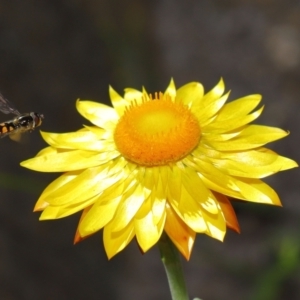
(157, 132)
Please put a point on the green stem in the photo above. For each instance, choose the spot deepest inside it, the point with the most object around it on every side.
(171, 260)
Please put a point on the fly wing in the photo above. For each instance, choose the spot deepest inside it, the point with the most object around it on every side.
(7, 107)
(18, 137)
(2, 135)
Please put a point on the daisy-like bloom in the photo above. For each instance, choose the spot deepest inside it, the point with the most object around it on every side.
(161, 162)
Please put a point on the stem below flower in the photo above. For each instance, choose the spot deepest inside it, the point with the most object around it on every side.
(171, 260)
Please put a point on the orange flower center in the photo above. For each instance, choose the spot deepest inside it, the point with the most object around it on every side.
(157, 131)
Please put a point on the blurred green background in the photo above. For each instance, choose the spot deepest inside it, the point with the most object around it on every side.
(53, 52)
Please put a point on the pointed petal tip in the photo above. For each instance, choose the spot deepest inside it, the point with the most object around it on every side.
(40, 206)
(109, 257)
(78, 238)
(113, 94)
(23, 163)
(77, 103)
(221, 82)
(112, 91)
(109, 254)
(171, 89)
(186, 254)
(279, 204)
(237, 229)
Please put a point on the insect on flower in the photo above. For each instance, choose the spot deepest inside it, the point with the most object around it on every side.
(22, 123)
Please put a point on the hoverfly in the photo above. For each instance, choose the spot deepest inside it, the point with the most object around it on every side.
(21, 123)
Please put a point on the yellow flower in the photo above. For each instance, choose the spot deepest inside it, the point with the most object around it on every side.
(163, 162)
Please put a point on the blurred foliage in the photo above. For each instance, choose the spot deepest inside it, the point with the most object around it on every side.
(270, 284)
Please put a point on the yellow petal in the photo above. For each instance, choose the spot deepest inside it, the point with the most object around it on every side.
(216, 225)
(255, 190)
(81, 140)
(181, 235)
(57, 212)
(58, 183)
(171, 89)
(216, 180)
(206, 113)
(189, 211)
(77, 237)
(217, 137)
(87, 184)
(262, 134)
(249, 189)
(47, 150)
(238, 108)
(258, 157)
(158, 208)
(99, 114)
(196, 188)
(251, 137)
(134, 95)
(98, 216)
(62, 161)
(213, 95)
(129, 205)
(198, 219)
(118, 102)
(105, 206)
(228, 211)
(40, 205)
(174, 184)
(231, 124)
(190, 94)
(147, 232)
(285, 163)
(253, 169)
(115, 242)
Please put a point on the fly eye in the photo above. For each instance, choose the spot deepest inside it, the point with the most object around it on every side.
(24, 122)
